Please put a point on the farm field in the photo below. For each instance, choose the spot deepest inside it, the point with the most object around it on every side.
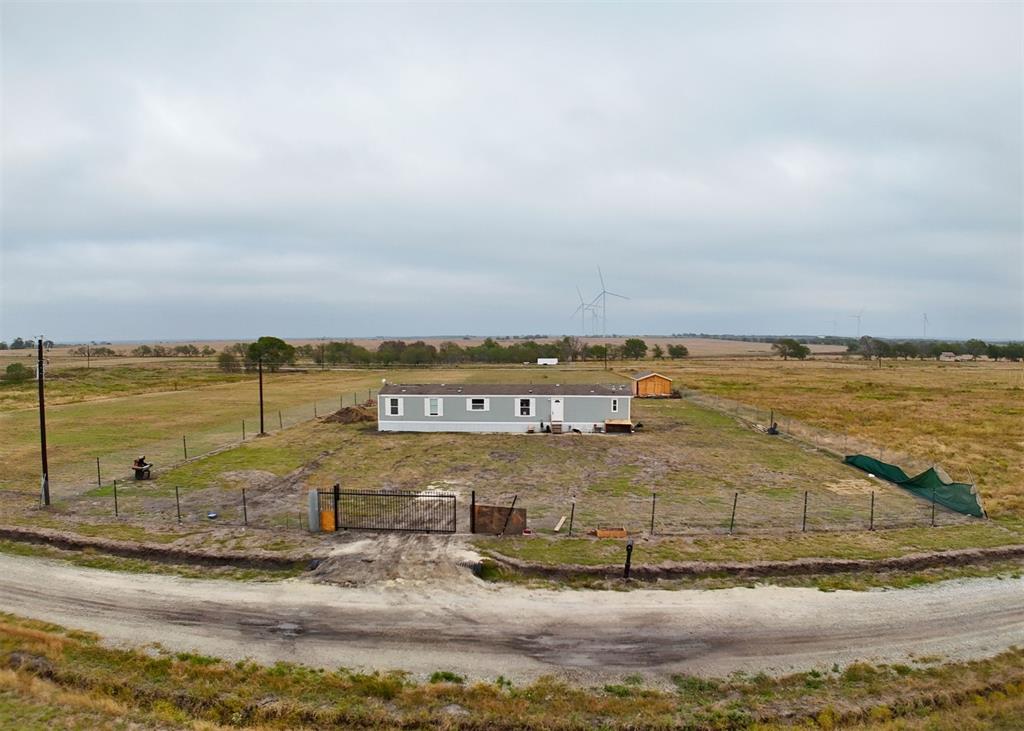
(966, 417)
(697, 460)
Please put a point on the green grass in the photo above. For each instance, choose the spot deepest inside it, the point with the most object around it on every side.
(850, 581)
(263, 455)
(860, 545)
(95, 560)
(88, 679)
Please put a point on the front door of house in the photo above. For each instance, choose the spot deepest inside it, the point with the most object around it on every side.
(557, 409)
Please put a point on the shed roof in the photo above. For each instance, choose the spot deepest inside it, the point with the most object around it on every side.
(641, 375)
(505, 389)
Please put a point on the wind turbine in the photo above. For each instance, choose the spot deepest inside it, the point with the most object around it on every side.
(583, 308)
(924, 326)
(603, 296)
(857, 318)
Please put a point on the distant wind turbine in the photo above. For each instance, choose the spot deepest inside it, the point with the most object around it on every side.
(857, 318)
(603, 296)
(582, 308)
(924, 326)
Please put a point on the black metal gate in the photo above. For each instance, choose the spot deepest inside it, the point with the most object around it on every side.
(422, 512)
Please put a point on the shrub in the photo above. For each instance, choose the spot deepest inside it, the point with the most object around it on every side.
(446, 676)
(16, 373)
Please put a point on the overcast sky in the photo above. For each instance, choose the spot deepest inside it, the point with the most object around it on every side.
(195, 170)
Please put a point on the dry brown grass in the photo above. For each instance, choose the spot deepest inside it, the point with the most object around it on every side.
(88, 683)
(965, 417)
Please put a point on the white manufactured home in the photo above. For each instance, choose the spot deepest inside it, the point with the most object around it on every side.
(504, 408)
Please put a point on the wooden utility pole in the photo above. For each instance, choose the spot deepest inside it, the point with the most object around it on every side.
(260, 367)
(42, 427)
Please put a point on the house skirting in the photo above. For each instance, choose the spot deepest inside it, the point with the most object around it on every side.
(509, 427)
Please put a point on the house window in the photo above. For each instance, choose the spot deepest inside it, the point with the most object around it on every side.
(525, 406)
(433, 406)
(478, 404)
(393, 407)
(615, 406)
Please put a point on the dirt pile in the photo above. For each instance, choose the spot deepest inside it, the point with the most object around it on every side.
(352, 415)
(398, 557)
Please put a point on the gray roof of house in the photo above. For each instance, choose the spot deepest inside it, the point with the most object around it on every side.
(504, 389)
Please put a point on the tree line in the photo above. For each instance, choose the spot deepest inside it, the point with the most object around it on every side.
(276, 353)
(869, 347)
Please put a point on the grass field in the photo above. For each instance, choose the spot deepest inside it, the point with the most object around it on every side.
(58, 678)
(696, 459)
(965, 417)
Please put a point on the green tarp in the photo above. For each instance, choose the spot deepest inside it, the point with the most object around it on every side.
(956, 496)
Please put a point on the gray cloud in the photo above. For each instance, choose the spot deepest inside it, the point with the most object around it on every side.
(183, 170)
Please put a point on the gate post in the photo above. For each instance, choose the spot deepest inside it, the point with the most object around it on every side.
(313, 505)
(337, 499)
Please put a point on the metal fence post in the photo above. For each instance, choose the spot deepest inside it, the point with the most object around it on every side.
(732, 520)
(933, 507)
(280, 421)
(243, 430)
(803, 527)
(177, 502)
(629, 558)
(115, 498)
(508, 515)
(245, 511)
(572, 514)
(472, 511)
(871, 524)
(314, 410)
(99, 482)
(184, 446)
(654, 500)
(337, 500)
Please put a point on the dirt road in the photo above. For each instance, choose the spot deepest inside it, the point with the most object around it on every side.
(484, 630)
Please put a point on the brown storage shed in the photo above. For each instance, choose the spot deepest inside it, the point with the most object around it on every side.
(648, 384)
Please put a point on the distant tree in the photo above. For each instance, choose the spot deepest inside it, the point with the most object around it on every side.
(48, 344)
(19, 344)
(16, 373)
(678, 351)
(634, 349)
(3, 345)
(450, 352)
(390, 351)
(905, 350)
(657, 352)
(976, 347)
(596, 352)
(229, 362)
(143, 351)
(418, 353)
(274, 352)
(1013, 351)
(311, 352)
(572, 348)
(208, 350)
(789, 348)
